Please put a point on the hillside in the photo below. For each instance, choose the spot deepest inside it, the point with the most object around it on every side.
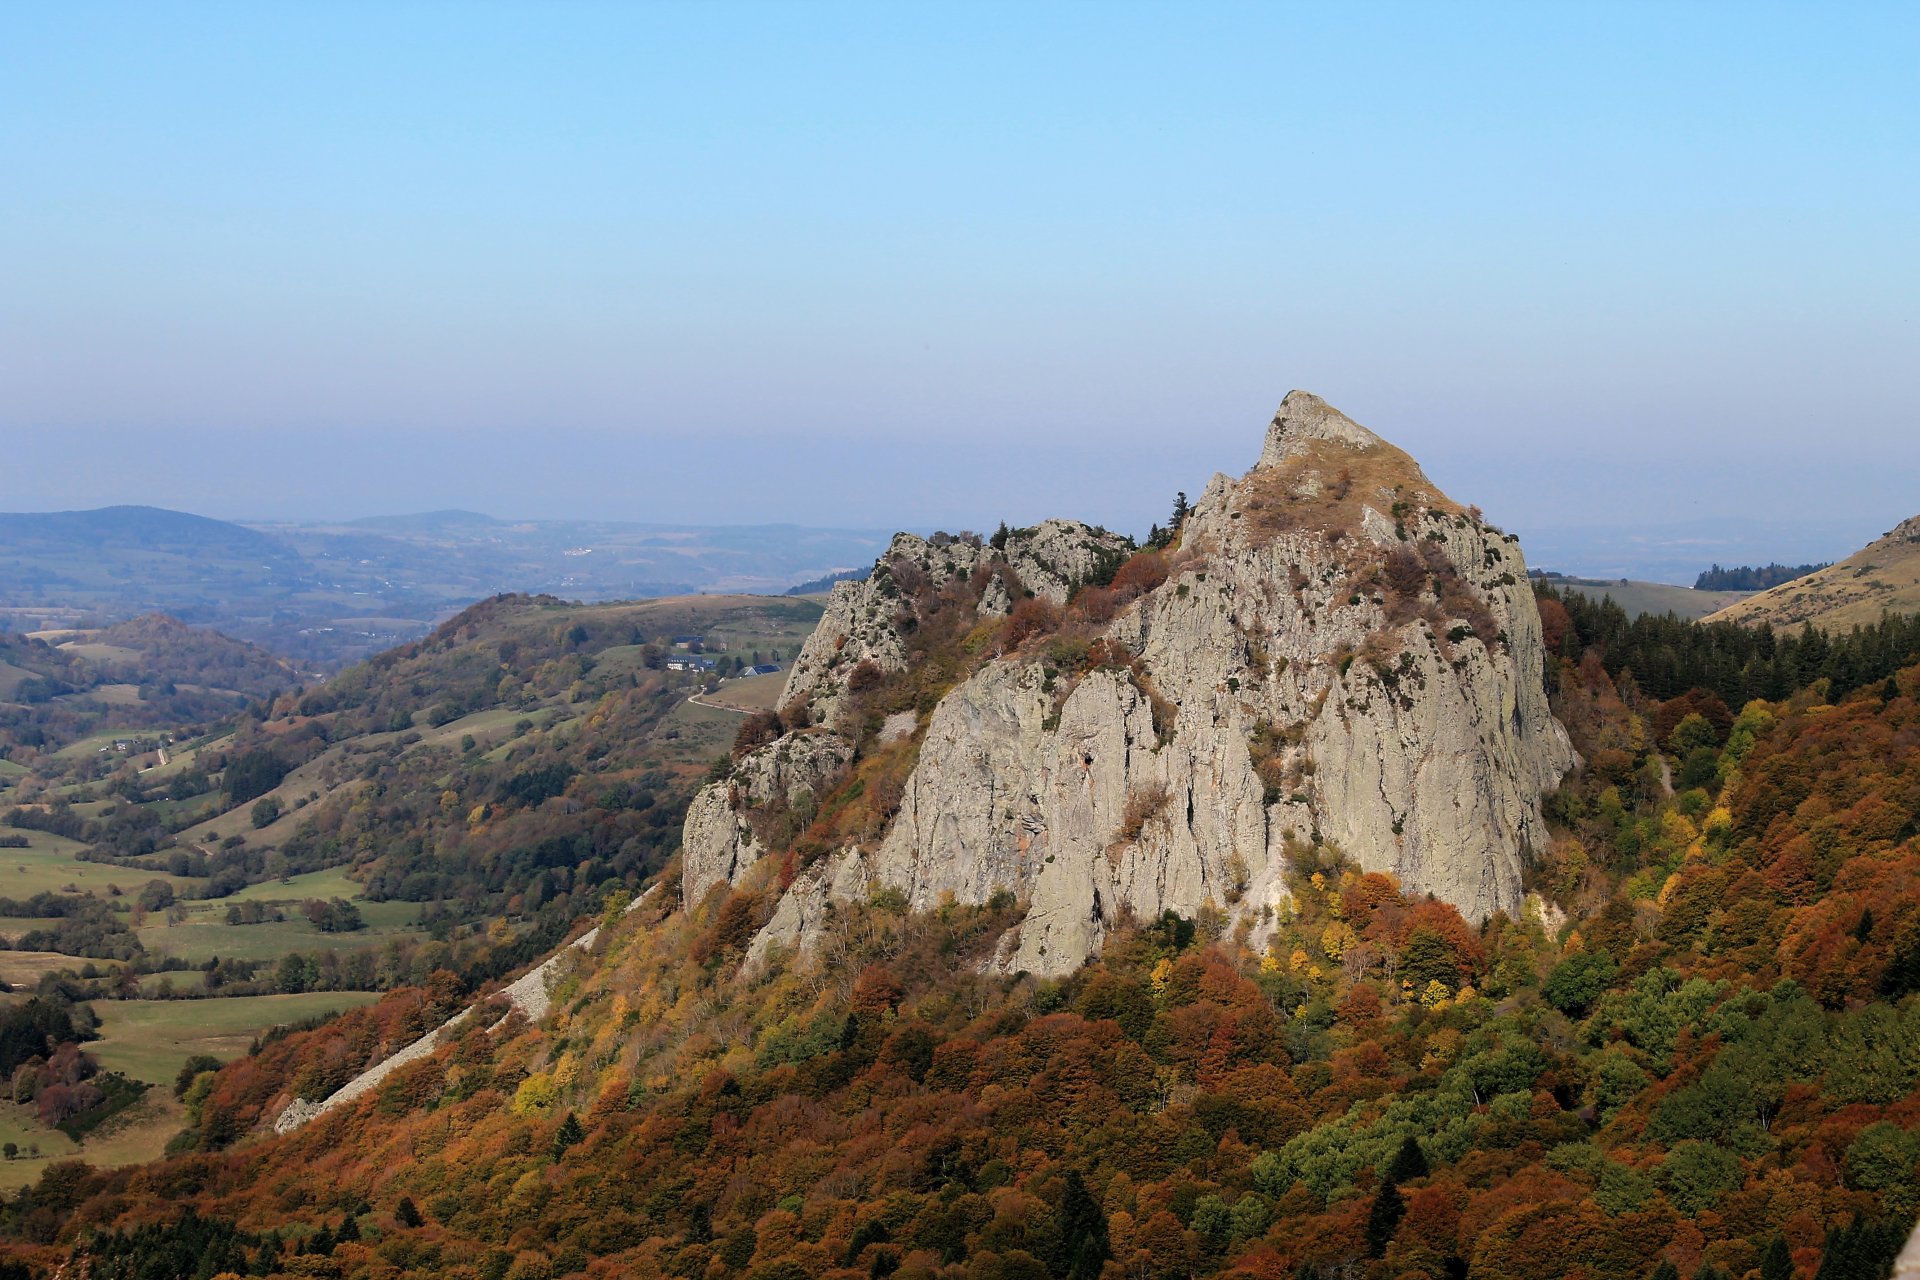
(1708, 1063)
(1883, 577)
(142, 677)
(451, 806)
(875, 1033)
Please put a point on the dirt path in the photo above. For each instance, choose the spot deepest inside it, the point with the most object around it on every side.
(701, 700)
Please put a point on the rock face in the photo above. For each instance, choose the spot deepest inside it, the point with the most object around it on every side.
(866, 621)
(718, 842)
(1338, 656)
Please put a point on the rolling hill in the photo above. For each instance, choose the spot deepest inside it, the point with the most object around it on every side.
(332, 593)
(154, 672)
(1883, 577)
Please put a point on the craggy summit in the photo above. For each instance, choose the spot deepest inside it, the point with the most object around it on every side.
(1327, 650)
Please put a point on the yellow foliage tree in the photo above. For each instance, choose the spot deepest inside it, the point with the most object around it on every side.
(535, 1095)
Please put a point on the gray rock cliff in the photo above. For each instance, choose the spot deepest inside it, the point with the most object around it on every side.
(1338, 655)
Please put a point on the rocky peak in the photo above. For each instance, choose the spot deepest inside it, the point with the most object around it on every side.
(1303, 418)
(1334, 663)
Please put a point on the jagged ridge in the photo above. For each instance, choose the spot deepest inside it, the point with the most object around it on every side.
(1334, 656)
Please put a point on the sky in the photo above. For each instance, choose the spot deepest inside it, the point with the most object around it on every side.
(943, 264)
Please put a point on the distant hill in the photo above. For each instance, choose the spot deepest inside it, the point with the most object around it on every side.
(328, 594)
(1648, 597)
(151, 529)
(826, 583)
(1883, 577)
(429, 521)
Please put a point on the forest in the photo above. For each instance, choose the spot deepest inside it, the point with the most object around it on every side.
(1751, 578)
(1694, 1055)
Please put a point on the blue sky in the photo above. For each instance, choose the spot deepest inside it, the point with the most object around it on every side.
(938, 264)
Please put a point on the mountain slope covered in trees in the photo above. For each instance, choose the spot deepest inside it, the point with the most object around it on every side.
(149, 672)
(1695, 1053)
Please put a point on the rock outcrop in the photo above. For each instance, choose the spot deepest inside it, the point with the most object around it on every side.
(1333, 660)
(719, 841)
(867, 621)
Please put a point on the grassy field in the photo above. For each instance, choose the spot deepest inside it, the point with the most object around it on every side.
(182, 757)
(135, 1136)
(205, 933)
(238, 821)
(755, 693)
(110, 654)
(24, 968)
(11, 927)
(485, 726)
(179, 981)
(329, 883)
(1652, 597)
(47, 865)
(9, 769)
(695, 734)
(22, 1128)
(90, 745)
(151, 1039)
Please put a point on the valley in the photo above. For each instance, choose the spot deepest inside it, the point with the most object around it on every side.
(192, 912)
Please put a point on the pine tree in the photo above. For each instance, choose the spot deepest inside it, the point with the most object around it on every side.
(407, 1213)
(349, 1230)
(1665, 1271)
(1083, 1230)
(1384, 1218)
(1863, 932)
(267, 1261)
(1409, 1162)
(569, 1134)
